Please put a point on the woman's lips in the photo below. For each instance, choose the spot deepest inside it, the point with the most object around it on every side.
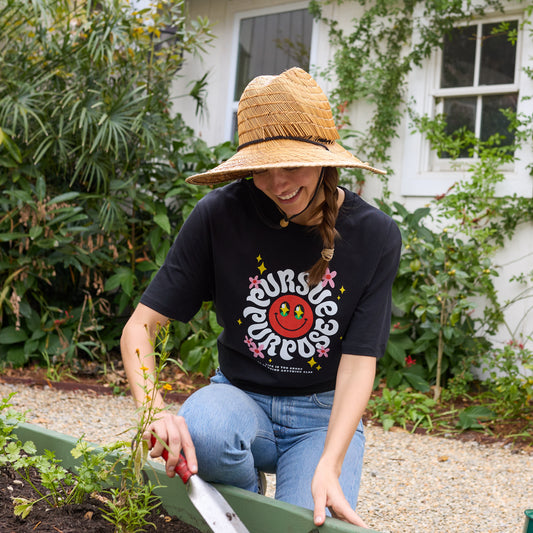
(290, 196)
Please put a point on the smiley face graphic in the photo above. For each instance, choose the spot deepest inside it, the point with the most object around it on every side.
(290, 316)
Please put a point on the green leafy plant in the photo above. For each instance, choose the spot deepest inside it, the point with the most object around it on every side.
(446, 309)
(112, 474)
(62, 486)
(91, 158)
(402, 407)
(199, 348)
(510, 382)
(132, 499)
(473, 416)
(447, 267)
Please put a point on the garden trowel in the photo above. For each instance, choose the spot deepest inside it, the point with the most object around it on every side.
(215, 510)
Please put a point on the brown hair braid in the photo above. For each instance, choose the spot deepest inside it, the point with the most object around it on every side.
(328, 210)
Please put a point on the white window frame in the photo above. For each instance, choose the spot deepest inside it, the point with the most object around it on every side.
(423, 174)
(232, 104)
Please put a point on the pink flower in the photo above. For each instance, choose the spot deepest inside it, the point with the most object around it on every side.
(254, 282)
(328, 278)
(323, 351)
(249, 341)
(258, 351)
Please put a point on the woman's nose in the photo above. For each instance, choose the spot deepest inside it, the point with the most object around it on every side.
(278, 180)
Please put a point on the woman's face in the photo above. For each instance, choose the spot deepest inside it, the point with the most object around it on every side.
(290, 188)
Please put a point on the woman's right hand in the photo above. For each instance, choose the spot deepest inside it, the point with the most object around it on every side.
(172, 430)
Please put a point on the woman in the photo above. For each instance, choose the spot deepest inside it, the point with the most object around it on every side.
(300, 271)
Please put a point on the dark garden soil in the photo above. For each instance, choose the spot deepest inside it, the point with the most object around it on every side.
(86, 517)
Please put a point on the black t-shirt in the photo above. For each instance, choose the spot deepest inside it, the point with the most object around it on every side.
(280, 337)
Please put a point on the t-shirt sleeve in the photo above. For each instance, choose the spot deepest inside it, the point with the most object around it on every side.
(185, 279)
(368, 331)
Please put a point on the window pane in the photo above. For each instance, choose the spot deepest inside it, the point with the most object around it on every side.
(458, 58)
(460, 113)
(498, 54)
(492, 119)
(269, 44)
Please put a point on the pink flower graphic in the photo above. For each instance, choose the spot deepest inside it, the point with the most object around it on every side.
(323, 352)
(328, 278)
(258, 351)
(254, 282)
(249, 341)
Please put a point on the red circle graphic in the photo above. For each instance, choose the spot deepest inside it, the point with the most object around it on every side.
(290, 316)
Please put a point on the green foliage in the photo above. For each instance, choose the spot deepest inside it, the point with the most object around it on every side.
(199, 348)
(131, 498)
(92, 166)
(62, 486)
(374, 55)
(128, 511)
(399, 407)
(510, 381)
(446, 267)
(445, 303)
(471, 417)
(113, 473)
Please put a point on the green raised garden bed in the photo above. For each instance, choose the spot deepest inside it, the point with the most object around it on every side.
(259, 513)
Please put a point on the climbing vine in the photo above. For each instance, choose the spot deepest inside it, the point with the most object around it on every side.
(374, 56)
(447, 266)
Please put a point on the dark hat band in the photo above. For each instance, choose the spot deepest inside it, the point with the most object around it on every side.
(282, 137)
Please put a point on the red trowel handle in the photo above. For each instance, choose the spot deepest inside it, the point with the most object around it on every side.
(182, 468)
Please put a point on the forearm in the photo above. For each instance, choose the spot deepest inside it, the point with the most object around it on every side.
(137, 349)
(355, 379)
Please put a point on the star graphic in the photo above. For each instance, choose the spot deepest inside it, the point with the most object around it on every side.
(342, 290)
(319, 367)
(239, 321)
(259, 258)
(262, 268)
(311, 362)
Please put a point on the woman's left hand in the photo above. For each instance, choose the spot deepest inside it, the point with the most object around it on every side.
(327, 492)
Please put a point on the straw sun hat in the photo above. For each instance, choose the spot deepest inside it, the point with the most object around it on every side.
(283, 121)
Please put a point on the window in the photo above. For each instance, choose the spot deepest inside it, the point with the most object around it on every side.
(478, 72)
(477, 80)
(269, 42)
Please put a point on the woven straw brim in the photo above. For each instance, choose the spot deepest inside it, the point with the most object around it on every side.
(284, 153)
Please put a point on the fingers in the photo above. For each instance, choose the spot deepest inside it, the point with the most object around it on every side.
(167, 437)
(344, 512)
(338, 507)
(188, 449)
(319, 513)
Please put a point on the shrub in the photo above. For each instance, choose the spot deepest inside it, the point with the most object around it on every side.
(92, 167)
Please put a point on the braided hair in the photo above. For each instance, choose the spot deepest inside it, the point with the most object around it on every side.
(328, 211)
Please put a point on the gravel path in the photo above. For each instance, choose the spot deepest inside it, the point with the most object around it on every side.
(411, 483)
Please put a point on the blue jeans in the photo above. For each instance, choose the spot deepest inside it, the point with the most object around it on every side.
(236, 433)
